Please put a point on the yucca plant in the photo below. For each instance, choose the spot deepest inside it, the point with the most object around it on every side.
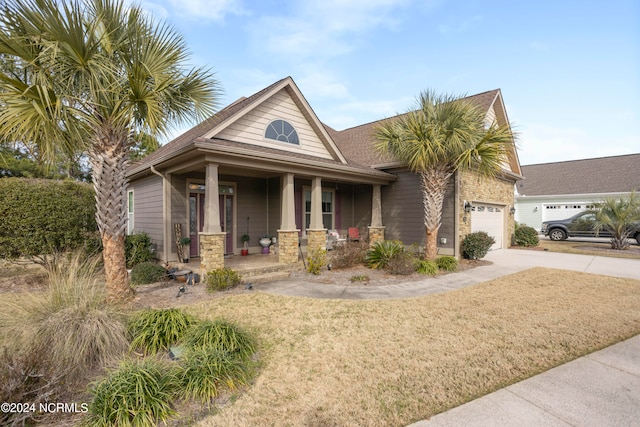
(155, 330)
(220, 336)
(382, 252)
(138, 393)
(204, 372)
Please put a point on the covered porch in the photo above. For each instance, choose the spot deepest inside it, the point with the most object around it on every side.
(225, 209)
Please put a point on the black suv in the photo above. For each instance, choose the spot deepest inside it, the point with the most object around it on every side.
(579, 225)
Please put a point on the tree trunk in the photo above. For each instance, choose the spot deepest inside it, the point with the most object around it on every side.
(433, 183)
(109, 158)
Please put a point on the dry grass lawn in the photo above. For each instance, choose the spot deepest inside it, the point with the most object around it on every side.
(590, 248)
(390, 363)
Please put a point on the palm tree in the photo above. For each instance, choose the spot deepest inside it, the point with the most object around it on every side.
(621, 218)
(98, 72)
(442, 135)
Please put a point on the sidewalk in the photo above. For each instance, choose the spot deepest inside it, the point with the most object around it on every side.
(600, 389)
(505, 262)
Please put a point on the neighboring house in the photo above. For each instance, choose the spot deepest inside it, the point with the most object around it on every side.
(558, 190)
(266, 165)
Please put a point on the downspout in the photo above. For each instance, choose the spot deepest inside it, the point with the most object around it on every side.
(166, 242)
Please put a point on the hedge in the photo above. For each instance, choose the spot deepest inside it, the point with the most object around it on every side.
(40, 216)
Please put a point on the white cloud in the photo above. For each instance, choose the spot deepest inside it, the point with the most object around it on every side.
(546, 144)
(322, 29)
(214, 10)
(354, 113)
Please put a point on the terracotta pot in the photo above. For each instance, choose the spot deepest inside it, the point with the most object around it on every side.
(244, 252)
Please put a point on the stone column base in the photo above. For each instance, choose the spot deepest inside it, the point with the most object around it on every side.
(211, 251)
(288, 245)
(316, 239)
(376, 234)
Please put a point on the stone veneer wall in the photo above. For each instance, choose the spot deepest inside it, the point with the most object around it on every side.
(376, 234)
(476, 188)
(316, 239)
(211, 251)
(288, 245)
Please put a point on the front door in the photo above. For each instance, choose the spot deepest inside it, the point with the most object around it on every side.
(196, 221)
(196, 218)
(226, 220)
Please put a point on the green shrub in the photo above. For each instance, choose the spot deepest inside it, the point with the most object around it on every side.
(137, 249)
(147, 272)
(447, 263)
(382, 252)
(476, 245)
(40, 217)
(220, 336)
(426, 267)
(526, 236)
(154, 330)
(348, 254)
(138, 393)
(204, 371)
(221, 279)
(359, 278)
(316, 260)
(403, 263)
(70, 325)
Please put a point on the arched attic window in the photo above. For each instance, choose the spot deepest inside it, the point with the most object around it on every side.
(282, 131)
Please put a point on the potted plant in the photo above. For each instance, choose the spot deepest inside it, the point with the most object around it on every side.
(265, 242)
(245, 242)
(184, 242)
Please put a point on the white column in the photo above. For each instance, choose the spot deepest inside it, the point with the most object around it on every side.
(376, 207)
(316, 204)
(211, 201)
(288, 205)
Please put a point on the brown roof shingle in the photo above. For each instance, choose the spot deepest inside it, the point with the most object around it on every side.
(356, 143)
(616, 174)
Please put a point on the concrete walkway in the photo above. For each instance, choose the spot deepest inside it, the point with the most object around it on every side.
(600, 389)
(506, 261)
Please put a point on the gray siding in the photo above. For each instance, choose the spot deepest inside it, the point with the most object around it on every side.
(147, 208)
(403, 214)
(273, 212)
(362, 208)
(253, 208)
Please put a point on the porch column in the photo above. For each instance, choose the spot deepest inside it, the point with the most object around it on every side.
(376, 229)
(288, 233)
(211, 238)
(316, 234)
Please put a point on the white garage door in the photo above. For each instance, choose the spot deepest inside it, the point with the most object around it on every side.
(489, 218)
(552, 212)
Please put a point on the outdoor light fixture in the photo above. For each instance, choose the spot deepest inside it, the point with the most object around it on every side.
(512, 210)
(467, 206)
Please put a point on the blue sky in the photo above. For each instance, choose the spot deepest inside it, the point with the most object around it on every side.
(569, 70)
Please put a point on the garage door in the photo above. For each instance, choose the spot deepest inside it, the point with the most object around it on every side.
(489, 218)
(552, 212)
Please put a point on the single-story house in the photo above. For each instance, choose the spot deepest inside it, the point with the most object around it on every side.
(266, 165)
(558, 190)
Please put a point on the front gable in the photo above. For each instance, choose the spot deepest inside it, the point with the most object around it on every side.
(283, 103)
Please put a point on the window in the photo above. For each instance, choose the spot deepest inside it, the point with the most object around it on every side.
(327, 209)
(282, 131)
(130, 212)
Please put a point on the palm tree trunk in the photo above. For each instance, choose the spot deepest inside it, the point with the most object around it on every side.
(109, 158)
(433, 183)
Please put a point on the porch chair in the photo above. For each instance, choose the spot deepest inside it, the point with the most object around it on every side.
(354, 234)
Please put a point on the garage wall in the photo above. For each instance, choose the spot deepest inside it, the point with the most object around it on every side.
(478, 190)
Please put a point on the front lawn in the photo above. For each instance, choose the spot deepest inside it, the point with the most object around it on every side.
(393, 362)
(582, 247)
